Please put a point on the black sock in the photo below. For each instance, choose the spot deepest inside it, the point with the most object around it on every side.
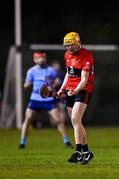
(78, 147)
(85, 148)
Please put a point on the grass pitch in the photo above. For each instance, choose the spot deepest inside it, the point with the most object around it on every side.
(46, 156)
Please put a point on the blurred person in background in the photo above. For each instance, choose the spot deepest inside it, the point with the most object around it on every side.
(78, 84)
(36, 76)
(61, 102)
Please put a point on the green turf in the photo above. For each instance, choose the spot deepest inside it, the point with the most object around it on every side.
(46, 157)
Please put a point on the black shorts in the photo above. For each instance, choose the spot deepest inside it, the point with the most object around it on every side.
(83, 96)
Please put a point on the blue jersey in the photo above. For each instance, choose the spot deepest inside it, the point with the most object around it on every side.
(39, 76)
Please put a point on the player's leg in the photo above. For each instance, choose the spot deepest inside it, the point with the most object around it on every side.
(62, 114)
(76, 118)
(79, 132)
(61, 107)
(79, 135)
(55, 114)
(69, 109)
(76, 106)
(29, 116)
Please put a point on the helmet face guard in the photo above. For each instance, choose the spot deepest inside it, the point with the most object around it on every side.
(72, 48)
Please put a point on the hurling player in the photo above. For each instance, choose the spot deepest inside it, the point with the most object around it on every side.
(36, 76)
(78, 85)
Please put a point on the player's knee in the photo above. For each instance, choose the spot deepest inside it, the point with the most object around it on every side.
(58, 123)
(75, 120)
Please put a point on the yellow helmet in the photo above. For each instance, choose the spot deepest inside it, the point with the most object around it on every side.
(71, 38)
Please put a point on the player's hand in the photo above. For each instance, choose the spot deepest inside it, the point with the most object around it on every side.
(60, 93)
(72, 92)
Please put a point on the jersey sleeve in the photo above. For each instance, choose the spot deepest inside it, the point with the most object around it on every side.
(88, 62)
(29, 76)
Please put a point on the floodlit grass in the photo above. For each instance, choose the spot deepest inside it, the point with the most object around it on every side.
(46, 156)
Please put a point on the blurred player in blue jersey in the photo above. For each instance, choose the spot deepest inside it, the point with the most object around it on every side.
(36, 76)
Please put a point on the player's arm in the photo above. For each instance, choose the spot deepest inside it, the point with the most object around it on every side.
(86, 70)
(63, 86)
(29, 79)
(27, 84)
(83, 82)
(81, 85)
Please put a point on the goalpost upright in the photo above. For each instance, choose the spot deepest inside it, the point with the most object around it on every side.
(18, 58)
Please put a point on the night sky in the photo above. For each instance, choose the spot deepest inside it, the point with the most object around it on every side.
(47, 22)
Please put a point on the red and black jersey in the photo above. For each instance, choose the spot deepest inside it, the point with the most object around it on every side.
(75, 63)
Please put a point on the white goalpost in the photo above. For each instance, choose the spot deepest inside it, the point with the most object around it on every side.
(14, 59)
(11, 109)
(103, 47)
